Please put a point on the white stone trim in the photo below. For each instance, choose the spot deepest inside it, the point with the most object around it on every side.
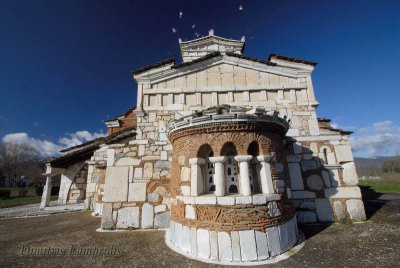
(223, 246)
(219, 89)
(343, 192)
(211, 199)
(219, 176)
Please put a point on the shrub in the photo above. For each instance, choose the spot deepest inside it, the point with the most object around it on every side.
(5, 193)
(22, 192)
(39, 190)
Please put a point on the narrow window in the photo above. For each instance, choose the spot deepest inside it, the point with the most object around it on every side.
(326, 156)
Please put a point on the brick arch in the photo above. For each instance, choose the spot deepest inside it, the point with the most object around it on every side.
(195, 142)
(204, 150)
(224, 138)
(253, 149)
(264, 143)
(228, 146)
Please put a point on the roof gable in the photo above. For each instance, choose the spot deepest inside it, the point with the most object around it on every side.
(197, 48)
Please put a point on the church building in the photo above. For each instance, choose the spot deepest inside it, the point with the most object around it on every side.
(224, 150)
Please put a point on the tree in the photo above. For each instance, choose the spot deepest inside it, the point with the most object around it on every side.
(391, 166)
(372, 170)
(15, 158)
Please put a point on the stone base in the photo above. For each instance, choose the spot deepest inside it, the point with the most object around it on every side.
(236, 246)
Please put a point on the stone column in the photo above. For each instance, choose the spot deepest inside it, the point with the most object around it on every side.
(219, 176)
(46, 193)
(265, 174)
(244, 176)
(196, 176)
(139, 100)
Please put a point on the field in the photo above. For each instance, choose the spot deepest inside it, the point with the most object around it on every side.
(381, 186)
(14, 200)
(20, 201)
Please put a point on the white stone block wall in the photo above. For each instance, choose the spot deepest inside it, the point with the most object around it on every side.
(323, 178)
(66, 181)
(235, 246)
(132, 167)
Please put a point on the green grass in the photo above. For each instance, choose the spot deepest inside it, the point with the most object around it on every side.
(20, 201)
(382, 186)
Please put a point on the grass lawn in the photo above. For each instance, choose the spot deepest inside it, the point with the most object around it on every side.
(20, 201)
(382, 186)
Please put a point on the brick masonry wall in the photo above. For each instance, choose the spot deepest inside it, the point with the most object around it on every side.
(234, 218)
(187, 143)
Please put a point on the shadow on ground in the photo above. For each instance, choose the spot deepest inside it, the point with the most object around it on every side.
(370, 244)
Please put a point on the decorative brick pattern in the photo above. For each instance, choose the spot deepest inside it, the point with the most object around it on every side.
(233, 218)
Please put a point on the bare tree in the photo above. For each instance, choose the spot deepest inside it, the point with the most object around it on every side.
(392, 166)
(15, 158)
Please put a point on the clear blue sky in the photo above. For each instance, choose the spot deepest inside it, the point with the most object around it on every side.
(65, 65)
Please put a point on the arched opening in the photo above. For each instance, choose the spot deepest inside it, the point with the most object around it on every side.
(205, 151)
(231, 168)
(77, 189)
(210, 186)
(233, 189)
(254, 150)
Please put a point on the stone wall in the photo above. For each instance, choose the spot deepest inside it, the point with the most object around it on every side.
(136, 190)
(324, 181)
(77, 191)
(66, 181)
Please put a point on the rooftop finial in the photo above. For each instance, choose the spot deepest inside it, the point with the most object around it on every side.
(243, 39)
(211, 32)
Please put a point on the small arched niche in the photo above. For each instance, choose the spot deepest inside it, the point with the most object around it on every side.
(205, 151)
(231, 168)
(254, 150)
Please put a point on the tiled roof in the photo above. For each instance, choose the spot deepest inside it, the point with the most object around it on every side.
(82, 145)
(251, 58)
(217, 53)
(84, 151)
(124, 114)
(206, 57)
(324, 120)
(152, 66)
(280, 57)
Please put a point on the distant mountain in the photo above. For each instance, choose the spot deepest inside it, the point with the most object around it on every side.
(365, 166)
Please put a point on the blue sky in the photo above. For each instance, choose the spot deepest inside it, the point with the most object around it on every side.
(65, 65)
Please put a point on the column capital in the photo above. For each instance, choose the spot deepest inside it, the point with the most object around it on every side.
(197, 161)
(264, 158)
(217, 159)
(243, 158)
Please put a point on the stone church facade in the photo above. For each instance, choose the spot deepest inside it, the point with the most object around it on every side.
(223, 149)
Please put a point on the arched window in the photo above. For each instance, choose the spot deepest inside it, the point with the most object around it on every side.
(232, 173)
(210, 186)
(231, 168)
(254, 178)
(205, 152)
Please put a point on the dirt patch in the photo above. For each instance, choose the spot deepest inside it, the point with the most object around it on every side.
(371, 244)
